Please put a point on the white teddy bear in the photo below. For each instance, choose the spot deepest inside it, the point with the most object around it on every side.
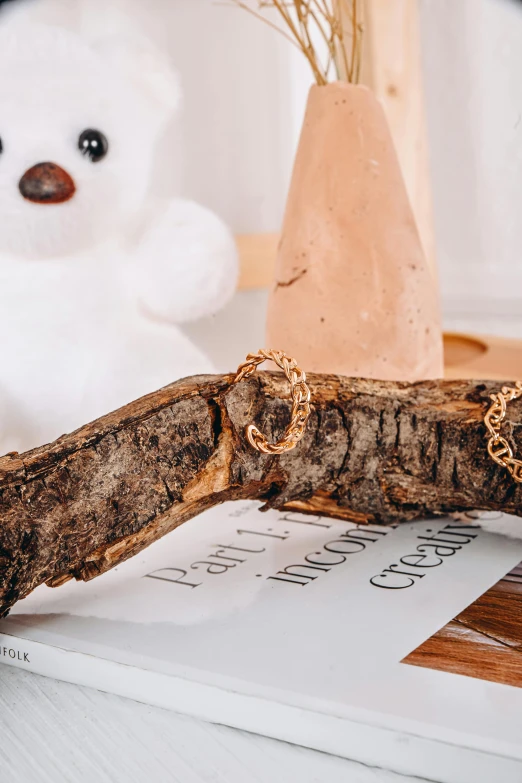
(94, 275)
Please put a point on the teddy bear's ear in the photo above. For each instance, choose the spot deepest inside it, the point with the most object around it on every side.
(149, 70)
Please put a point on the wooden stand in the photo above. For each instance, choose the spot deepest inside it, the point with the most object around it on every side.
(480, 357)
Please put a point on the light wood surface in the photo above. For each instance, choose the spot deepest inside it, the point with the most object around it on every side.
(482, 641)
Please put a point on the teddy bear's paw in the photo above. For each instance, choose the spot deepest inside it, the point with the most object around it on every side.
(186, 266)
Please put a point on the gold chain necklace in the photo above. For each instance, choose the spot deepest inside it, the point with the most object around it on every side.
(498, 448)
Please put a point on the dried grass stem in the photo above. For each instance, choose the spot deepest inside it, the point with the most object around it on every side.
(328, 33)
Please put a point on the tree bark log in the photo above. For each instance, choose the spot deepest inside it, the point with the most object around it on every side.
(373, 452)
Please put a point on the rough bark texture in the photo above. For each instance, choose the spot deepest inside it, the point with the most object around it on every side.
(373, 452)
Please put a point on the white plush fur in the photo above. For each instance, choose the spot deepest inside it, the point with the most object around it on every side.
(92, 290)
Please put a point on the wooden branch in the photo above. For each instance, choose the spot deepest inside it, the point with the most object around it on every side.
(373, 452)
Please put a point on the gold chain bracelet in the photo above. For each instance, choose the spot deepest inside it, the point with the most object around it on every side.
(300, 398)
(498, 448)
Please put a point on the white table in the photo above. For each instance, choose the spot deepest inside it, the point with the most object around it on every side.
(54, 732)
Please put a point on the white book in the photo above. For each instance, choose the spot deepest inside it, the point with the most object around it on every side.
(297, 627)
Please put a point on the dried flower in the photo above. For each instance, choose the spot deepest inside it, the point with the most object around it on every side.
(327, 32)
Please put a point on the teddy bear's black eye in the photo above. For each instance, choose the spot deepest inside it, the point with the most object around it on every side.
(93, 144)
(1, 146)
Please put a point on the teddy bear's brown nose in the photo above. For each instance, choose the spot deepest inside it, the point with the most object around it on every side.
(47, 183)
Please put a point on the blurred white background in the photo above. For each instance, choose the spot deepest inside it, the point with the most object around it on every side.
(245, 91)
(245, 95)
(472, 53)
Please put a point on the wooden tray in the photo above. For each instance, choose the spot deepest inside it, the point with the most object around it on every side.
(480, 357)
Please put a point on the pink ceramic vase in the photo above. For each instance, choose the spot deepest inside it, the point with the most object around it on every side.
(353, 293)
